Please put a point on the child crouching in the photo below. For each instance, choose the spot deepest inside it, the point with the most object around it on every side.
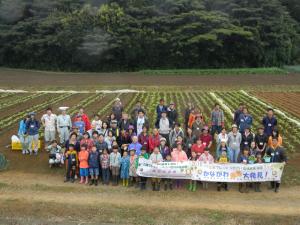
(55, 154)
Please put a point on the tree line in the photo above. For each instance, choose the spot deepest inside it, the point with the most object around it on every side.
(129, 35)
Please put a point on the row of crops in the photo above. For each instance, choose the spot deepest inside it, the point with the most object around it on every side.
(202, 100)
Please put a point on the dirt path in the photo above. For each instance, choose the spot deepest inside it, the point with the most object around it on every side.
(49, 189)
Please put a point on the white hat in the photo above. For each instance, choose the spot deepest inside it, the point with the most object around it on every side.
(117, 99)
(63, 108)
(223, 140)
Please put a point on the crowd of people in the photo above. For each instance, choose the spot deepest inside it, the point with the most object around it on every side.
(109, 150)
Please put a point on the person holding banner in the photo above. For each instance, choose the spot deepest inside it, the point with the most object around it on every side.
(193, 183)
(178, 155)
(143, 180)
(156, 157)
(278, 155)
(245, 160)
(223, 159)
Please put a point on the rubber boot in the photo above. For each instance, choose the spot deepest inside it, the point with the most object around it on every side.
(166, 186)
(157, 186)
(241, 187)
(247, 188)
(258, 187)
(194, 187)
(277, 185)
(219, 187)
(96, 182)
(190, 187)
(272, 186)
(171, 186)
(226, 187)
(92, 182)
(126, 182)
(123, 182)
(153, 186)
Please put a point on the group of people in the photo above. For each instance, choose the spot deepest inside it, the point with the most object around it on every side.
(111, 149)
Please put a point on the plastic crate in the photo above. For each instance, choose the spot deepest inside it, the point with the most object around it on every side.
(16, 145)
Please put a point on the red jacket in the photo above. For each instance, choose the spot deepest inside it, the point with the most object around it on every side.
(86, 121)
(144, 141)
(154, 141)
(198, 149)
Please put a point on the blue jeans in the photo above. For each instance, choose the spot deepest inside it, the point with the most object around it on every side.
(215, 129)
(105, 175)
(234, 155)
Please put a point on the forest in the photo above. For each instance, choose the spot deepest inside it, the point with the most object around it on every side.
(131, 35)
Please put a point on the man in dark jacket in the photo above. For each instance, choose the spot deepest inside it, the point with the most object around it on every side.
(237, 114)
(269, 122)
(125, 122)
(172, 114)
(101, 144)
(277, 155)
(32, 130)
(159, 109)
(140, 122)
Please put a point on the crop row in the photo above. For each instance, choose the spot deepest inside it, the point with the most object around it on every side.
(18, 100)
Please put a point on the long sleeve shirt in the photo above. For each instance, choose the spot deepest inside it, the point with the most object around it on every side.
(64, 121)
(115, 159)
(217, 118)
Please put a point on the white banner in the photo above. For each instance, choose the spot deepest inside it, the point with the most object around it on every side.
(216, 172)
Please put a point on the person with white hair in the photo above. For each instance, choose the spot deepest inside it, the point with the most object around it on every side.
(49, 123)
(64, 124)
(135, 145)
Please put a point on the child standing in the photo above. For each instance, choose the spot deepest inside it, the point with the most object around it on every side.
(223, 159)
(193, 183)
(168, 182)
(125, 164)
(83, 157)
(156, 157)
(115, 163)
(94, 163)
(71, 163)
(143, 180)
(258, 160)
(245, 160)
(132, 168)
(104, 160)
(206, 157)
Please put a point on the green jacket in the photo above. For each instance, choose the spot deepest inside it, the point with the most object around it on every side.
(146, 156)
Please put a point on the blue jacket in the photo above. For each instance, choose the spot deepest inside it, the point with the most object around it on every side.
(245, 121)
(32, 127)
(159, 111)
(22, 127)
(137, 146)
(94, 160)
(269, 124)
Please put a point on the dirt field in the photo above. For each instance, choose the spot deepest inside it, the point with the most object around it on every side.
(14, 78)
(32, 193)
(286, 101)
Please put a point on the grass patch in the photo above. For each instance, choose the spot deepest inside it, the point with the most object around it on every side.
(295, 69)
(234, 71)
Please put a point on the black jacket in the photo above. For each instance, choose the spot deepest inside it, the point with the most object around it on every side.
(277, 155)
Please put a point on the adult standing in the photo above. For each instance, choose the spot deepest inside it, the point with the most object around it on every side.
(135, 110)
(197, 126)
(269, 122)
(234, 143)
(217, 120)
(261, 140)
(117, 109)
(278, 155)
(22, 135)
(49, 123)
(32, 129)
(237, 113)
(85, 119)
(164, 126)
(140, 122)
(177, 131)
(206, 138)
(159, 109)
(154, 140)
(245, 120)
(190, 107)
(64, 125)
(172, 114)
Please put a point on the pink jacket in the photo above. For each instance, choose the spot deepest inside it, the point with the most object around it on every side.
(206, 158)
(178, 156)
